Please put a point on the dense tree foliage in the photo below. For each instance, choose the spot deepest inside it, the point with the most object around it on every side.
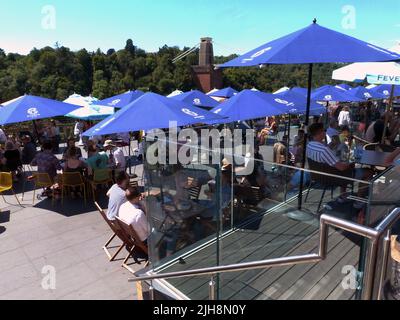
(58, 72)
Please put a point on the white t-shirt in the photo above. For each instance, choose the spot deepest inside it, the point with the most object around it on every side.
(370, 134)
(119, 158)
(132, 215)
(344, 118)
(117, 198)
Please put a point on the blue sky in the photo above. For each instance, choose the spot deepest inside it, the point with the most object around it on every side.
(237, 26)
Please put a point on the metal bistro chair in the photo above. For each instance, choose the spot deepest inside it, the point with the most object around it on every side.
(134, 243)
(100, 177)
(6, 184)
(117, 232)
(72, 180)
(42, 180)
(326, 182)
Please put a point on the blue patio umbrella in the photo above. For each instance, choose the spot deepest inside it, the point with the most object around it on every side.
(31, 108)
(333, 94)
(151, 111)
(313, 44)
(224, 93)
(249, 104)
(300, 102)
(344, 86)
(122, 100)
(385, 90)
(365, 94)
(197, 99)
(302, 91)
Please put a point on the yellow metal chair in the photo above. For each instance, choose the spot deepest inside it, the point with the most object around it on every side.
(72, 180)
(42, 180)
(100, 177)
(6, 184)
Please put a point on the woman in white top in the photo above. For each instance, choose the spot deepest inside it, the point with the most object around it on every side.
(344, 117)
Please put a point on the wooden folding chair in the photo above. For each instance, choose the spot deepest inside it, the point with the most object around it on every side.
(134, 243)
(6, 184)
(117, 232)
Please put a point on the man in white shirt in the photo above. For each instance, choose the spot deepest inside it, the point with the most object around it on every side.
(132, 213)
(344, 117)
(118, 155)
(117, 195)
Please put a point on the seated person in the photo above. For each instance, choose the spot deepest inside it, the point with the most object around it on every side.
(117, 195)
(46, 161)
(132, 213)
(319, 152)
(70, 144)
(270, 129)
(374, 132)
(29, 151)
(13, 158)
(281, 152)
(91, 148)
(73, 162)
(98, 161)
(116, 154)
(332, 130)
(340, 149)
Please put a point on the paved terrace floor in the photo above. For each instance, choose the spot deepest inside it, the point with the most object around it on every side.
(68, 238)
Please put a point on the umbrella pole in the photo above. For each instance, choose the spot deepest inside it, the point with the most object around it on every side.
(129, 155)
(388, 108)
(327, 115)
(36, 130)
(303, 164)
(287, 152)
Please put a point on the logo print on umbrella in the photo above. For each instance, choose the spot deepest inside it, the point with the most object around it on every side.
(115, 102)
(328, 97)
(33, 113)
(197, 101)
(193, 114)
(367, 95)
(287, 103)
(386, 92)
(257, 54)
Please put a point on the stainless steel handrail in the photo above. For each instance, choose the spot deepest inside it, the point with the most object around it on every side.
(326, 221)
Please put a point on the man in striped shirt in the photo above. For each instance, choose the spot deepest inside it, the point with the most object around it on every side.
(320, 152)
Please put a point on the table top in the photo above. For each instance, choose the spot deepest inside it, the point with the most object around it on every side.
(374, 158)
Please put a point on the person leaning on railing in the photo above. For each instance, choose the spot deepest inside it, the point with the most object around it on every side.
(319, 152)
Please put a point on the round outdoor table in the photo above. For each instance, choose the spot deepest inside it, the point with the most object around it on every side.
(373, 158)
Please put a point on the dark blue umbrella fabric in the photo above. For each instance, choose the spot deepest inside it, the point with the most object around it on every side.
(300, 103)
(249, 104)
(365, 94)
(122, 100)
(386, 90)
(197, 99)
(302, 91)
(224, 93)
(313, 44)
(333, 94)
(151, 111)
(29, 108)
(344, 86)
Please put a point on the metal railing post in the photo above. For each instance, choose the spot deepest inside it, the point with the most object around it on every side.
(151, 291)
(211, 285)
(384, 265)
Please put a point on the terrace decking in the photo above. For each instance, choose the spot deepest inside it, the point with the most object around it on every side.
(273, 235)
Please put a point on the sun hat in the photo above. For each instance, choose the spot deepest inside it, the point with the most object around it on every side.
(109, 143)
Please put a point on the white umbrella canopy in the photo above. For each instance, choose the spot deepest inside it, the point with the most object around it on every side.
(358, 72)
(175, 93)
(281, 90)
(89, 110)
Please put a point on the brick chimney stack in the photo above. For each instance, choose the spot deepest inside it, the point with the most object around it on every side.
(206, 78)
